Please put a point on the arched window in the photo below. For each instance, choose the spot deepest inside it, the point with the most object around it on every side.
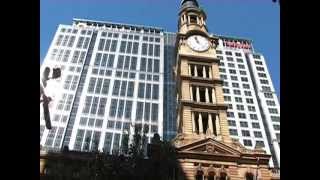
(199, 175)
(211, 175)
(249, 176)
(223, 176)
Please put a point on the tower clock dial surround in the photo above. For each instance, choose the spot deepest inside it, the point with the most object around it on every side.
(198, 43)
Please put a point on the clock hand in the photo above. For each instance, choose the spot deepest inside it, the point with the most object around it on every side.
(196, 38)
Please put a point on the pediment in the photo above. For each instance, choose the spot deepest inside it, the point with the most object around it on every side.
(209, 146)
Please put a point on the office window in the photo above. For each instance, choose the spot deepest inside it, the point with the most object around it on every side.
(276, 127)
(155, 91)
(237, 92)
(229, 59)
(128, 109)
(78, 141)
(83, 121)
(231, 123)
(263, 81)
(230, 114)
(123, 88)
(234, 78)
(227, 98)
(226, 91)
(120, 109)
(98, 86)
(252, 108)
(113, 45)
(247, 142)
(107, 46)
(241, 66)
(249, 100)
(50, 137)
(230, 64)
(113, 108)
(253, 117)
(223, 77)
(135, 48)
(256, 56)
(146, 111)
(94, 105)
(156, 66)
(246, 86)
(221, 64)
(244, 79)
(110, 124)
(101, 44)
(233, 132)
(247, 93)
(262, 75)
(260, 68)
(149, 65)
(143, 64)
(144, 48)
(243, 124)
(242, 115)
(91, 122)
(148, 91)
(273, 111)
(235, 85)
(220, 57)
(238, 99)
(257, 134)
(259, 144)
(105, 87)
(141, 88)
(243, 72)
(116, 87)
(222, 70)
(278, 137)
(239, 60)
(59, 40)
(139, 111)
(232, 71)
(102, 106)
(226, 84)
(255, 125)
(218, 52)
(271, 103)
(157, 50)
(230, 106)
(268, 95)
(80, 42)
(228, 53)
(107, 142)
(238, 54)
(123, 46)
(71, 41)
(240, 107)
(87, 104)
(275, 118)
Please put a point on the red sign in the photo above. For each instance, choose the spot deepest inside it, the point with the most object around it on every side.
(236, 44)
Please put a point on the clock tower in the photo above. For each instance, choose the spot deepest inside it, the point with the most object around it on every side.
(204, 147)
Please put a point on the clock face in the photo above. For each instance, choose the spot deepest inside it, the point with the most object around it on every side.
(198, 43)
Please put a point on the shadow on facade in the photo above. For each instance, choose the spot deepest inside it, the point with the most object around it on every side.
(160, 164)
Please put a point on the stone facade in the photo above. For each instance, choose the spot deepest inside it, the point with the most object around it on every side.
(205, 149)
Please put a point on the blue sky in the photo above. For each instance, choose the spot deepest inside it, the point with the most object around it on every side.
(258, 20)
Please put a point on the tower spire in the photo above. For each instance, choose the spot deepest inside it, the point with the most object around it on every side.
(189, 3)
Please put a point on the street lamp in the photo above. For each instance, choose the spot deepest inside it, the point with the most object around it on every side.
(44, 99)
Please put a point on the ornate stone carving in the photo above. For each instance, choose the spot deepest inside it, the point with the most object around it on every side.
(210, 148)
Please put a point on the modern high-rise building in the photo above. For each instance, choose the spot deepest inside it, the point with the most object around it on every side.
(112, 79)
(116, 75)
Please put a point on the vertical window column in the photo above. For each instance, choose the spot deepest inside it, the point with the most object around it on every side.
(195, 71)
(217, 122)
(193, 122)
(204, 72)
(191, 94)
(213, 94)
(200, 124)
(210, 72)
(207, 95)
(198, 94)
(210, 123)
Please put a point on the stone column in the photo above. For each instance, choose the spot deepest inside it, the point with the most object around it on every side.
(189, 67)
(195, 71)
(193, 122)
(210, 73)
(214, 100)
(191, 94)
(210, 123)
(204, 74)
(207, 96)
(200, 124)
(217, 124)
(198, 94)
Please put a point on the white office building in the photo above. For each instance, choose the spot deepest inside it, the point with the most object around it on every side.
(254, 111)
(112, 80)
